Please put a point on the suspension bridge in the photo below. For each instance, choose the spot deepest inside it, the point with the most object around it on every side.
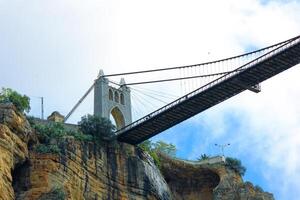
(210, 84)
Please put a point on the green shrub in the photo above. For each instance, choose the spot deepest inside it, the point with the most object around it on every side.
(31, 120)
(98, 127)
(146, 145)
(22, 103)
(79, 136)
(57, 130)
(236, 165)
(155, 157)
(49, 131)
(47, 148)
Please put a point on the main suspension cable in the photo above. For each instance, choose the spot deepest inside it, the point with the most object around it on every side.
(205, 63)
(176, 79)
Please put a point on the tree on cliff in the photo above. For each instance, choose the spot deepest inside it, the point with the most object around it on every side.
(159, 146)
(153, 148)
(146, 145)
(236, 165)
(203, 157)
(22, 103)
(166, 148)
(98, 127)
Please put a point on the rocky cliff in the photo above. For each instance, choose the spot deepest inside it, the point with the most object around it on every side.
(206, 180)
(81, 171)
(107, 170)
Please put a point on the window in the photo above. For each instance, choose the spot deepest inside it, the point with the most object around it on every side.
(122, 99)
(110, 95)
(116, 97)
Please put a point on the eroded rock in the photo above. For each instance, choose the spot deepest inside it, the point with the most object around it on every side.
(13, 148)
(207, 181)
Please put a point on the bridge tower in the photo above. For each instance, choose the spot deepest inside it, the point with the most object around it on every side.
(113, 101)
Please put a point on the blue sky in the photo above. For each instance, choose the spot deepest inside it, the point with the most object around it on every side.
(55, 49)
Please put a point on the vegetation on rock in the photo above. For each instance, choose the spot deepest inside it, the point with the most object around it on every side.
(54, 194)
(47, 148)
(98, 127)
(166, 148)
(258, 188)
(22, 103)
(56, 131)
(153, 148)
(51, 134)
(203, 157)
(236, 165)
(146, 145)
(31, 120)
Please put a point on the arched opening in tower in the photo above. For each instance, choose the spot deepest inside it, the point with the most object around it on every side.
(117, 118)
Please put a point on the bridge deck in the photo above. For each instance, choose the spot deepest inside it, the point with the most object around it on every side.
(255, 72)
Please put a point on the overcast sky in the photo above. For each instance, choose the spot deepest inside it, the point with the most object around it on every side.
(55, 49)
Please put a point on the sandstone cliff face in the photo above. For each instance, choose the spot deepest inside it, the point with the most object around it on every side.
(104, 171)
(86, 171)
(14, 135)
(82, 171)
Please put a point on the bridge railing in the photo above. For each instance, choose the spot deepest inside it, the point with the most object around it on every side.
(277, 50)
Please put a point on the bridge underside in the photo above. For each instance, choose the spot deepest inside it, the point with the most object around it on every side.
(211, 96)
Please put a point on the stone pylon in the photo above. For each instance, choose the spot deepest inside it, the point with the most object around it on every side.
(115, 101)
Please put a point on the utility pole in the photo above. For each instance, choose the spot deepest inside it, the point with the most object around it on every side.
(222, 146)
(42, 106)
